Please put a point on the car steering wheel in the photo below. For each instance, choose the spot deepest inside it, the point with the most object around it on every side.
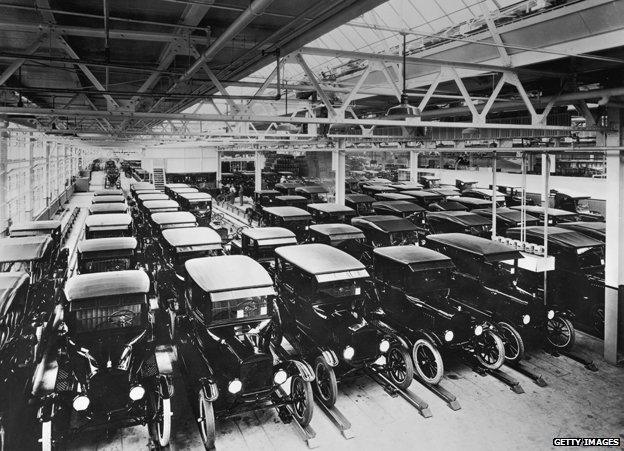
(121, 318)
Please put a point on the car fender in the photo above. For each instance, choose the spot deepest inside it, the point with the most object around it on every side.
(298, 367)
(163, 359)
(430, 336)
(211, 391)
(330, 357)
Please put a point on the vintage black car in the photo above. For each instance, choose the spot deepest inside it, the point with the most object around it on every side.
(372, 190)
(464, 185)
(176, 192)
(169, 187)
(314, 194)
(446, 191)
(485, 194)
(345, 237)
(425, 199)
(107, 254)
(108, 225)
(593, 229)
(384, 230)
(291, 218)
(483, 276)
(513, 195)
(105, 209)
(319, 289)
(381, 197)
(460, 222)
(471, 203)
(402, 209)
(172, 220)
(149, 207)
(291, 201)
(577, 203)
(579, 274)
(17, 315)
(143, 197)
(200, 204)
(506, 218)
(143, 192)
(140, 186)
(406, 186)
(223, 344)
(104, 367)
(429, 181)
(261, 199)
(260, 243)
(555, 215)
(110, 199)
(327, 213)
(361, 203)
(287, 188)
(411, 297)
(49, 228)
(108, 192)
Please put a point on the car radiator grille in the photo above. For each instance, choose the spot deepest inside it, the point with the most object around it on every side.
(109, 391)
(149, 367)
(257, 373)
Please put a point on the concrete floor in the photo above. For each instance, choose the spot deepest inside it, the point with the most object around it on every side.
(576, 403)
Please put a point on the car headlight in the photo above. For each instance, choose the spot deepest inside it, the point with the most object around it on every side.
(478, 330)
(384, 345)
(348, 353)
(526, 319)
(235, 386)
(280, 377)
(137, 392)
(550, 314)
(448, 335)
(81, 403)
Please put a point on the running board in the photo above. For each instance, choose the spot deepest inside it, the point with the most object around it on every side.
(449, 398)
(393, 390)
(522, 369)
(587, 363)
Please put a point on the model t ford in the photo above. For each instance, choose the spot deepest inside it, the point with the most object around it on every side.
(107, 254)
(102, 366)
(200, 204)
(223, 345)
(260, 243)
(292, 218)
(108, 225)
(320, 289)
(327, 213)
(412, 298)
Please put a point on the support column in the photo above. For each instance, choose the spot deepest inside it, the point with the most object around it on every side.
(4, 179)
(494, 190)
(30, 177)
(258, 166)
(614, 248)
(46, 185)
(340, 171)
(414, 165)
(219, 184)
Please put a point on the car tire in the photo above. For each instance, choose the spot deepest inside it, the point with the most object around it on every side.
(160, 429)
(427, 361)
(490, 350)
(512, 340)
(560, 333)
(46, 436)
(325, 383)
(206, 421)
(399, 366)
(598, 319)
(303, 401)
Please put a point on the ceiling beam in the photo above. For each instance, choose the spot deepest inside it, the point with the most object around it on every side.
(17, 63)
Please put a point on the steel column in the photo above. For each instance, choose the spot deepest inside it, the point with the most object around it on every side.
(494, 189)
(340, 172)
(545, 196)
(258, 165)
(30, 177)
(414, 165)
(4, 155)
(219, 184)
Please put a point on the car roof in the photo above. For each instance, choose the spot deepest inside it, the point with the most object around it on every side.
(597, 226)
(318, 259)
(359, 198)
(156, 204)
(313, 189)
(25, 248)
(177, 185)
(119, 198)
(107, 244)
(173, 217)
(395, 196)
(491, 250)
(109, 219)
(444, 191)
(141, 185)
(331, 208)
(407, 186)
(10, 282)
(537, 209)
(462, 217)
(333, 230)
(109, 208)
(291, 197)
(227, 273)
(384, 223)
(503, 212)
(381, 188)
(398, 206)
(191, 236)
(267, 191)
(413, 256)
(147, 191)
(152, 196)
(267, 233)
(470, 200)
(485, 191)
(108, 192)
(422, 193)
(288, 185)
(35, 225)
(573, 195)
(184, 190)
(558, 235)
(110, 283)
(199, 196)
(287, 212)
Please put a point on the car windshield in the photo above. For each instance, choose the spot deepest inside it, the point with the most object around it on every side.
(236, 309)
(106, 313)
(14, 267)
(589, 257)
(109, 264)
(400, 238)
(428, 280)
(182, 257)
(582, 205)
(203, 205)
(338, 290)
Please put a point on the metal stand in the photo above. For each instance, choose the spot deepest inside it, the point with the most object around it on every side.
(393, 390)
(449, 398)
(307, 433)
(587, 363)
(522, 369)
(502, 376)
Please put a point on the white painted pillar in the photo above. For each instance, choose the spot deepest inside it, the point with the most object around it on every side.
(414, 165)
(258, 166)
(340, 171)
(30, 177)
(219, 184)
(47, 186)
(4, 179)
(494, 190)
(614, 249)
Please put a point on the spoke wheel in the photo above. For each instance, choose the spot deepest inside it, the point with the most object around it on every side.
(598, 319)
(325, 384)
(400, 367)
(514, 345)
(302, 400)
(490, 350)
(160, 426)
(428, 361)
(206, 421)
(560, 332)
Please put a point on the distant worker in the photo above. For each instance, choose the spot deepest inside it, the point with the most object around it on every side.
(283, 179)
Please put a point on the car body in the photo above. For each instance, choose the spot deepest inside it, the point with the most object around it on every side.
(226, 312)
(108, 225)
(145, 191)
(464, 185)
(361, 203)
(579, 273)
(143, 197)
(260, 243)
(446, 191)
(485, 194)
(200, 204)
(577, 203)
(107, 254)
(291, 201)
(104, 209)
(109, 199)
(314, 193)
(381, 231)
(412, 297)
(460, 222)
(345, 237)
(555, 215)
(176, 192)
(319, 288)
(104, 368)
(424, 198)
(506, 218)
(328, 213)
(292, 218)
(402, 209)
(482, 273)
(262, 198)
(140, 186)
(593, 229)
